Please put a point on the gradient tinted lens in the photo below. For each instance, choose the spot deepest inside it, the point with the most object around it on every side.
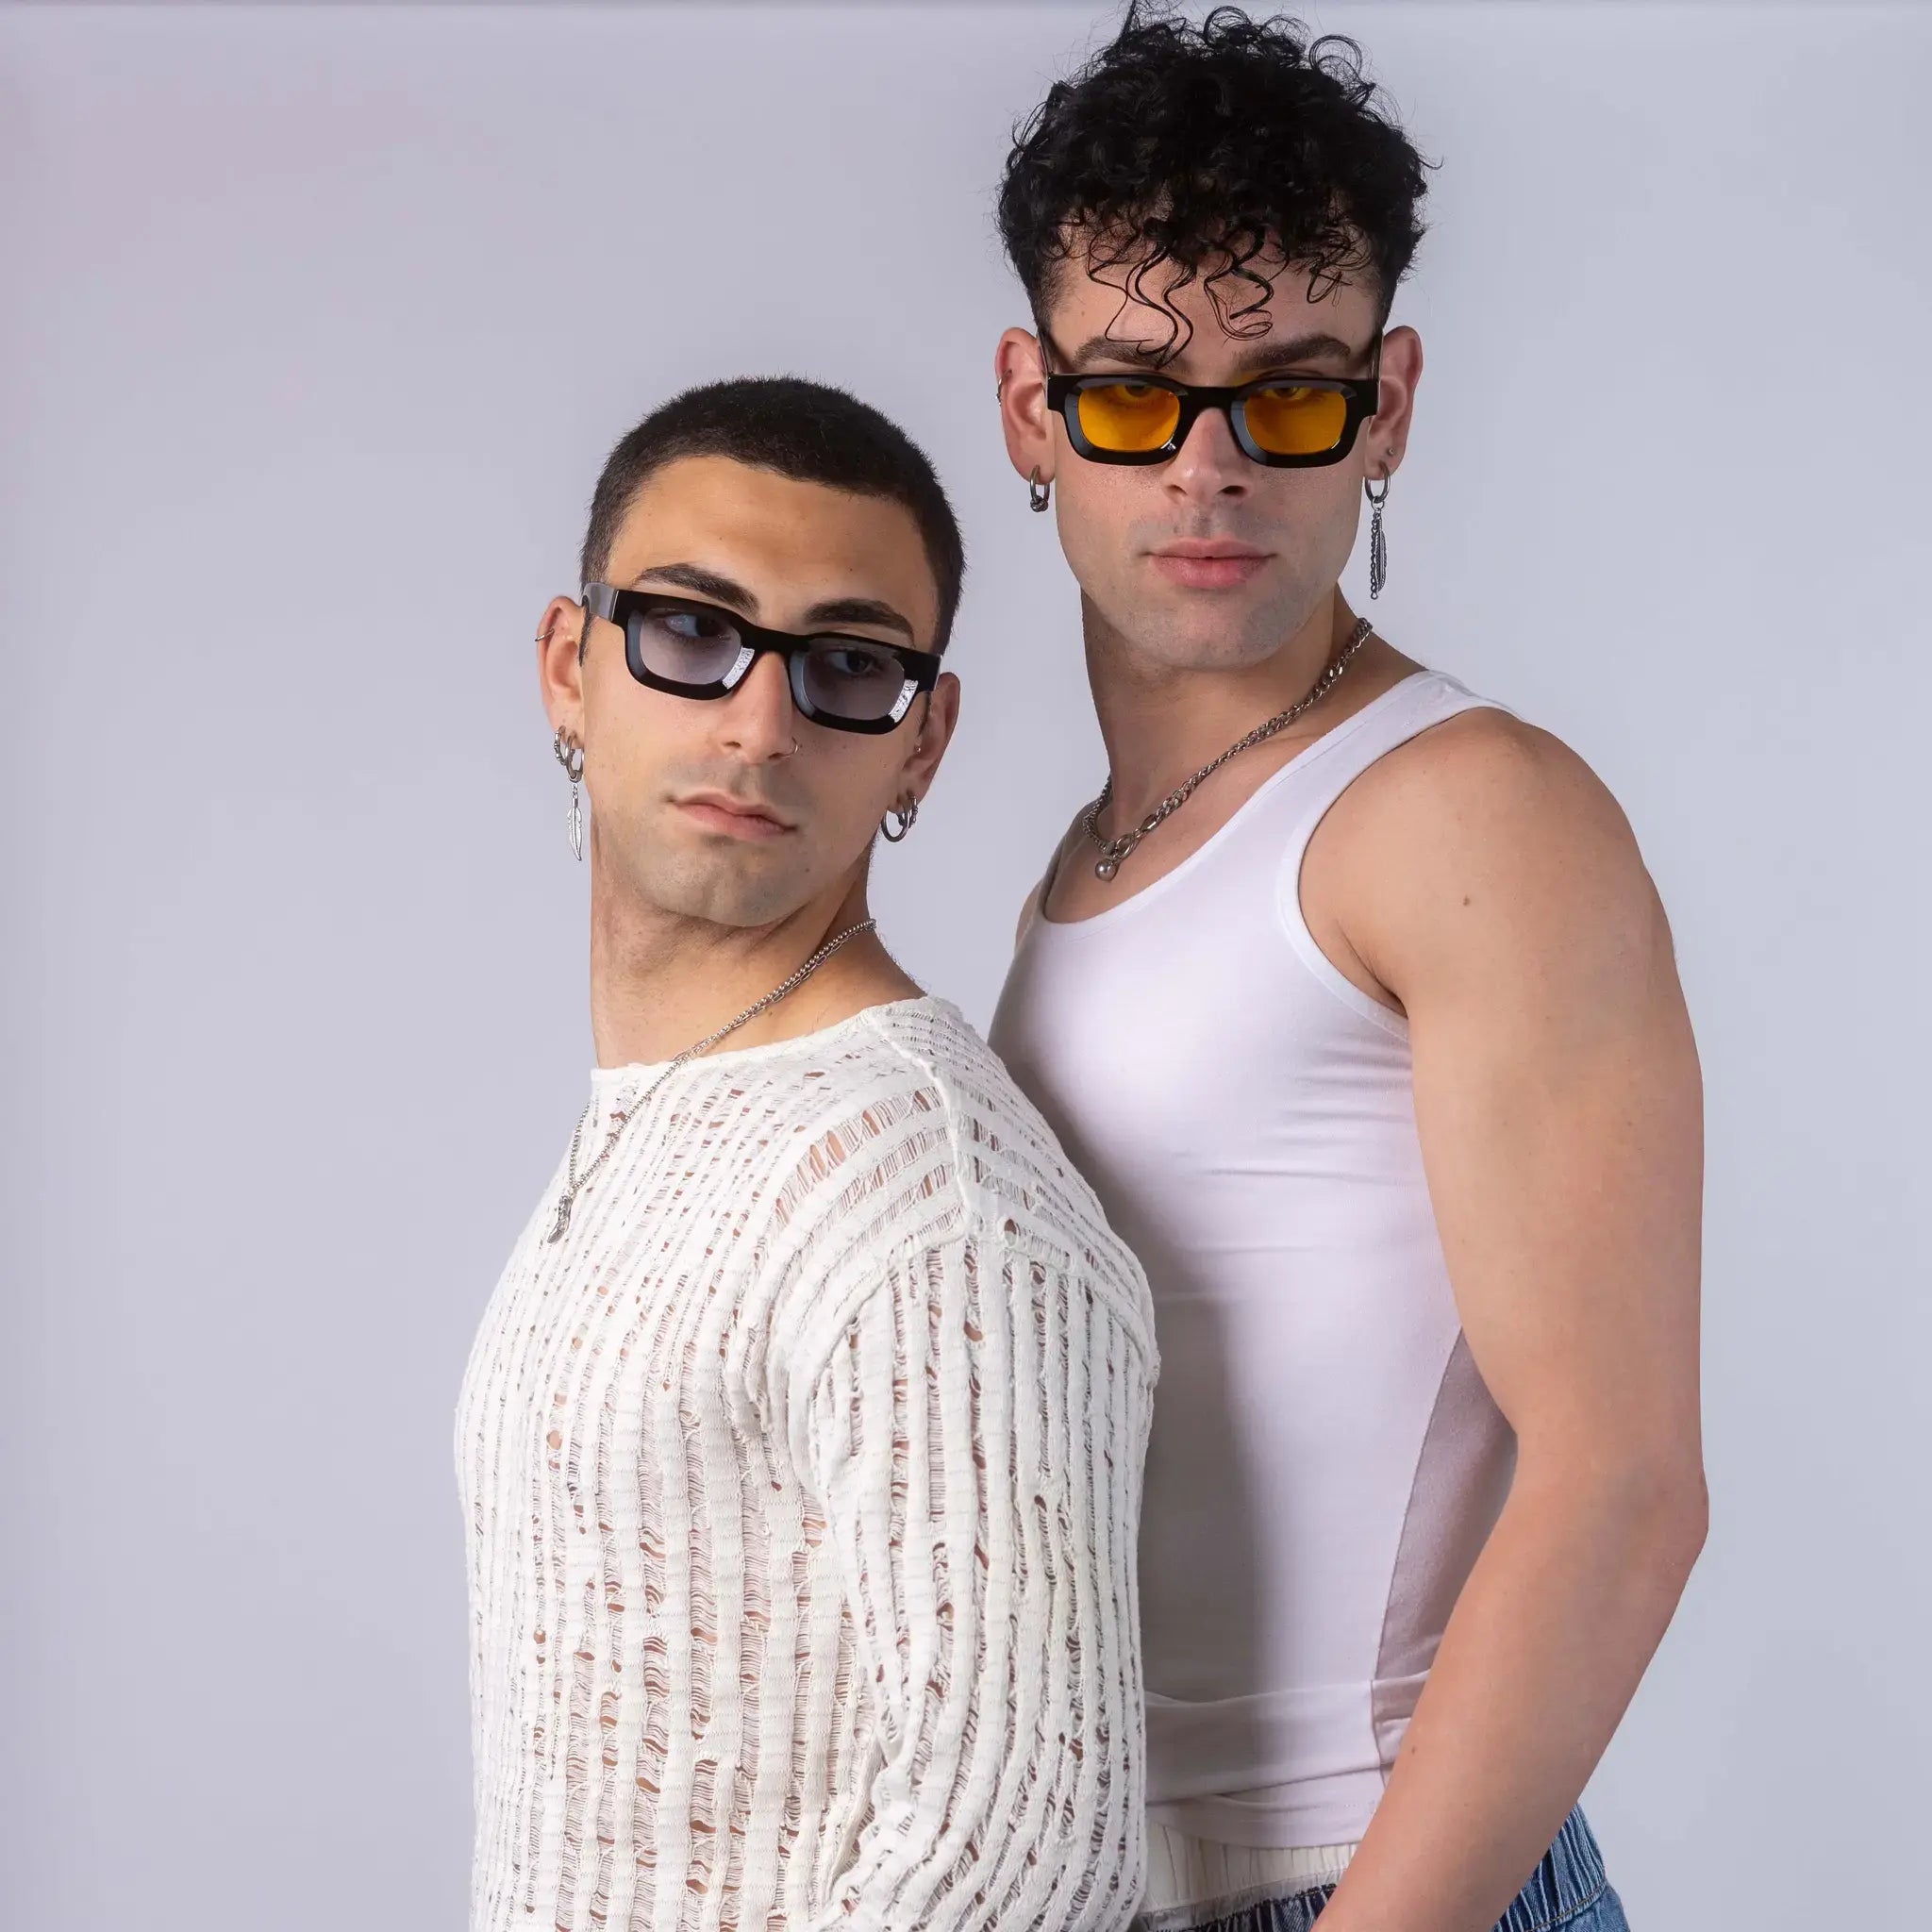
(686, 647)
(1126, 416)
(1290, 420)
(845, 677)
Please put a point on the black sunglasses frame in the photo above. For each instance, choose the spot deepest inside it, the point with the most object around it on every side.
(618, 606)
(1362, 394)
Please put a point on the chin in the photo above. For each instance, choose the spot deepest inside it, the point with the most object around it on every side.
(1213, 630)
(731, 891)
(1196, 643)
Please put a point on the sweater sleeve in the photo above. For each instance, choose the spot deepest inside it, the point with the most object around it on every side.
(976, 1441)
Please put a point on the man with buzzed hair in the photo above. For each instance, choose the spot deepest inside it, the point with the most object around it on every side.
(800, 1448)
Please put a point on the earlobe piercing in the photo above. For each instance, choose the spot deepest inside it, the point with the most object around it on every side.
(1039, 494)
(1378, 545)
(570, 755)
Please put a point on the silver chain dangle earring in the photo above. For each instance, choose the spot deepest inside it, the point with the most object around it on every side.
(570, 755)
(905, 814)
(1039, 494)
(1378, 545)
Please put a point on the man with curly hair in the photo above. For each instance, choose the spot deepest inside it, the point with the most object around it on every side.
(1352, 996)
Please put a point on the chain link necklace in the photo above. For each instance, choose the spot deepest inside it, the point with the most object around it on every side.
(1113, 850)
(573, 1181)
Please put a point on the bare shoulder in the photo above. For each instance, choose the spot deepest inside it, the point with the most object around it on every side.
(1483, 840)
(1028, 910)
(1054, 859)
(1487, 774)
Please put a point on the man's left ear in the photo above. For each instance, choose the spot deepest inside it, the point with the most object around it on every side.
(936, 728)
(1402, 371)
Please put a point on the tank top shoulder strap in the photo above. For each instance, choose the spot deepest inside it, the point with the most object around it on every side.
(1044, 884)
(1331, 765)
(1309, 784)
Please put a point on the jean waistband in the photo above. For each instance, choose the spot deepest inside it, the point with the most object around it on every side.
(1568, 1877)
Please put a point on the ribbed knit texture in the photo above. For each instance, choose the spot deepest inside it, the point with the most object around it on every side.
(1192, 1882)
(800, 1487)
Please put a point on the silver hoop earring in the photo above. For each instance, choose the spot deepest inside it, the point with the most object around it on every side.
(1378, 545)
(1039, 494)
(570, 755)
(905, 816)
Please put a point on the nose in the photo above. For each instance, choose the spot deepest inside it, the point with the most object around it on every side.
(758, 720)
(1210, 464)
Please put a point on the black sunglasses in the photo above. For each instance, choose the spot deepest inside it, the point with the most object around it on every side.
(1286, 422)
(697, 650)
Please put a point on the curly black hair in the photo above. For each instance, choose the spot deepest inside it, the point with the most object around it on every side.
(1195, 148)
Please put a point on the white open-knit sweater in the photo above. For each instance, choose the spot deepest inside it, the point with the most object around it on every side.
(801, 1485)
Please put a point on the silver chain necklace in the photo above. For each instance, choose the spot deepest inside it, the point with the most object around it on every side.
(573, 1181)
(1113, 850)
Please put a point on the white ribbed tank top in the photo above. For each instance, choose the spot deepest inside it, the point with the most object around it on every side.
(1325, 1462)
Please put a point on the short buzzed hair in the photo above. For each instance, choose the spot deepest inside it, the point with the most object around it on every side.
(807, 430)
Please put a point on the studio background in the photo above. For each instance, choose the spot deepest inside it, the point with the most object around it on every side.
(315, 326)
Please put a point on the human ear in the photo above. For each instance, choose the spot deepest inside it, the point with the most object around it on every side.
(1020, 385)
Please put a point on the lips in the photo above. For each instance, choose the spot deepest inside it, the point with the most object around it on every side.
(1209, 546)
(1208, 563)
(735, 817)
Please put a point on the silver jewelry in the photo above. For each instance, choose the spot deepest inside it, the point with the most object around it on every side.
(575, 1182)
(1113, 850)
(905, 814)
(1378, 545)
(1039, 494)
(570, 755)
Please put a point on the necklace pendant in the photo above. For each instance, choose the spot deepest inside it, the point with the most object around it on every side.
(1109, 862)
(562, 1221)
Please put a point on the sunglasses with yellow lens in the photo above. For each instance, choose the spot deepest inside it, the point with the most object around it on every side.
(1286, 422)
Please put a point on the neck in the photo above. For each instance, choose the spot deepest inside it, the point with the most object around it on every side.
(663, 981)
(1161, 725)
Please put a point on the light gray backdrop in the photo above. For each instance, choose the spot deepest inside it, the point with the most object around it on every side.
(316, 325)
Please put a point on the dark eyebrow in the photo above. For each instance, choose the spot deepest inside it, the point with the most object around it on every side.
(860, 610)
(706, 583)
(1279, 351)
(721, 589)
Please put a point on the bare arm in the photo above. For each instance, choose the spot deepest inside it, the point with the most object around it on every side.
(1559, 1107)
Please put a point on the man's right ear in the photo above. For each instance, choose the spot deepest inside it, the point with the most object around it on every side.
(562, 633)
(1019, 385)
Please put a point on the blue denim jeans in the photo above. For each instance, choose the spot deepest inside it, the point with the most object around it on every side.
(1567, 1888)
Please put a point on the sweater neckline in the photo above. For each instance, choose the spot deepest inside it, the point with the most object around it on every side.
(607, 1083)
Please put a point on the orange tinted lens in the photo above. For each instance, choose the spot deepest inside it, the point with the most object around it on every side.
(1294, 421)
(1127, 415)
